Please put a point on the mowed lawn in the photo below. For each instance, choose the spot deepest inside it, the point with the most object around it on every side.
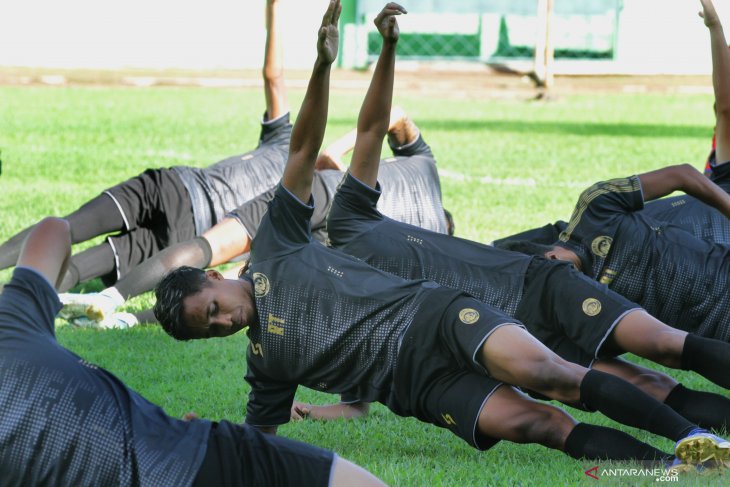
(505, 166)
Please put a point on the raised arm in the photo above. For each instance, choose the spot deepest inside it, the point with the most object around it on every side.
(686, 178)
(720, 80)
(308, 132)
(48, 249)
(372, 124)
(273, 71)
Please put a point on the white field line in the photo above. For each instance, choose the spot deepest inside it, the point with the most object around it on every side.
(518, 182)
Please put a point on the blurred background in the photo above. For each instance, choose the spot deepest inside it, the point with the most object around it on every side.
(586, 36)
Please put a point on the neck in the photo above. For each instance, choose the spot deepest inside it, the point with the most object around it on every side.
(251, 313)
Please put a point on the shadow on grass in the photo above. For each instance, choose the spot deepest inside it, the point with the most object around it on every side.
(586, 129)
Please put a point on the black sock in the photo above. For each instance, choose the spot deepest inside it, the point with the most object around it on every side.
(95, 217)
(706, 409)
(144, 277)
(708, 357)
(601, 443)
(89, 264)
(70, 279)
(629, 405)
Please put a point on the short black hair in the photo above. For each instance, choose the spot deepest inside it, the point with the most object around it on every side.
(177, 285)
(525, 247)
(450, 225)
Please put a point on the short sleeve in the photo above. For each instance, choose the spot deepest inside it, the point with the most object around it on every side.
(603, 202)
(251, 212)
(284, 227)
(28, 302)
(269, 401)
(597, 216)
(354, 210)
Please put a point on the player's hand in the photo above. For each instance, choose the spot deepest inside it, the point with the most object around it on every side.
(300, 411)
(386, 22)
(190, 416)
(709, 14)
(329, 36)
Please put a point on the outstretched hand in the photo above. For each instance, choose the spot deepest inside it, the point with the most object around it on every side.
(329, 36)
(709, 14)
(386, 22)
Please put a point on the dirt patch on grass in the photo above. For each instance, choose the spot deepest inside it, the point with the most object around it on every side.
(449, 81)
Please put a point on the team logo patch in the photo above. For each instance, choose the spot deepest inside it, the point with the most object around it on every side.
(260, 284)
(469, 316)
(591, 306)
(601, 245)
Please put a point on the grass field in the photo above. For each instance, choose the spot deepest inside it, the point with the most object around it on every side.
(506, 165)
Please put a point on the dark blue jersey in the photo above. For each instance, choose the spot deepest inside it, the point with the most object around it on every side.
(355, 225)
(325, 320)
(678, 278)
(64, 421)
(691, 214)
(219, 188)
(414, 196)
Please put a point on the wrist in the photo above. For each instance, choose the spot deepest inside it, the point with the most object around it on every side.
(322, 64)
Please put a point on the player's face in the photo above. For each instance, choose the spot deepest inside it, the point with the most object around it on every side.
(220, 309)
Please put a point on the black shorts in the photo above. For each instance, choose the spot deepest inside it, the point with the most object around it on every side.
(240, 455)
(570, 313)
(157, 213)
(437, 378)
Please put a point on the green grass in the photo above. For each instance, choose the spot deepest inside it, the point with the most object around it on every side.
(506, 166)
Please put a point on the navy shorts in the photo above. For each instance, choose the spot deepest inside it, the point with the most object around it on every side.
(241, 455)
(570, 313)
(438, 379)
(157, 213)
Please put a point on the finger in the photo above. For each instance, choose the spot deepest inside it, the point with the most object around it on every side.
(336, 13)
(328, 14)
(395, 6)
(388, 13)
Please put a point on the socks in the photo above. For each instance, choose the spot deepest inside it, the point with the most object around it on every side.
(708, 357)
(629, 405)
(601, 443)
(706, 409)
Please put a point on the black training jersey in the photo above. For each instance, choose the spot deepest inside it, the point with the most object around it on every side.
(678, 278)
(216, 189)
(65, 421)
(696, 217)
(414, 196)
(325, 320)
(355, 225)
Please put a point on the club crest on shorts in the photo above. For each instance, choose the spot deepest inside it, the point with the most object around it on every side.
(591, 306)
(601, 245)
(260, 284)
(469, 316)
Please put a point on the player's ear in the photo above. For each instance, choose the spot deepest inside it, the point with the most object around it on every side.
(214, 274)
(552, 254)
